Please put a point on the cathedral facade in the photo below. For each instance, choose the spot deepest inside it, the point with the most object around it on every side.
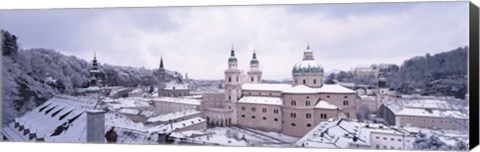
(292, 109)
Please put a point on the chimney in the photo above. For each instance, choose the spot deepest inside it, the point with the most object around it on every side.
(96, 126)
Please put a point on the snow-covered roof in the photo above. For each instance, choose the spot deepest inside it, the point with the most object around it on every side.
(261, 100)
(63, 119)
(424, 108)
(178, 125)
(325, 105)
(367, 98)
(173, 115)
(265, 87)
(133, 102)
(129, 111)
(176, 85)
(300, 89)
(334, 88)
(178, 100)
(340, 134)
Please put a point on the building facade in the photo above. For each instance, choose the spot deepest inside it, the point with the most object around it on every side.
(292, 109)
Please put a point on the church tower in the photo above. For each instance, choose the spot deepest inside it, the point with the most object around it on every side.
(382, 90)
(232, 79)
(161, 79)
(254, 74)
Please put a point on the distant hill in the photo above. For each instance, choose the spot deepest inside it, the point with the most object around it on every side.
(440, 74)
(32, 76)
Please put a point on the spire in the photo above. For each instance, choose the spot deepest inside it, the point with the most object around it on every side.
(308, 46)
(254, 54)
(232, 52)
(161, 62)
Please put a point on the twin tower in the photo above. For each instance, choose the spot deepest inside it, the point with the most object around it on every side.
(234, 79)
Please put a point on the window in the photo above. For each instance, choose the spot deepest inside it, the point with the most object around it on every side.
(377, 146)
(243, 108)
(229, 97)
(328, 96)
(399, 140)
(275, 119)
(275, 111)
(408, 140)
(293, 102)
(391, 147)
(264, 110)
(304, 81)
(264, 118)
(251, 79)
(345, 103)
(270, 94)
(293, 115)
(253, 109)
(345, 97)
(243, 116)
(307, 103)
(391, 139)
(384, 147)
(253, 117)
(229, 79)
(308, 115)
(237, 78)
(323, 116)
(314, 81)
(378, 138)
(384, 138)
(309, 125)
(293, 124)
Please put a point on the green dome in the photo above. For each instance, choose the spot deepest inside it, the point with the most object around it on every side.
(254, 61)
(232, 59)
(307, 66)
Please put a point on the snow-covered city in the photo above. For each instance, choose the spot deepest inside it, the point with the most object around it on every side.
(421, 103)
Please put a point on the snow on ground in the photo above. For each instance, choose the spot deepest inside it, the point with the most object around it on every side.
(233, 136)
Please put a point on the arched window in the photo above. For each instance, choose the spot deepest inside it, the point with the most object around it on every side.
(293, 124)
(275, 119)
(304, 81)
(251, 79)
(229, 79)
(309, 125)
(253, 117)
(314, 81)
(264, 118)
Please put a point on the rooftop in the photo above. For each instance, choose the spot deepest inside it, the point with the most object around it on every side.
(261, 100)
(325, 105)
(265, 86)
(178, 100)
(174, 126)
(173, 115)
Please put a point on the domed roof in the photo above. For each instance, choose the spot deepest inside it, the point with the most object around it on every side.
(307, 66)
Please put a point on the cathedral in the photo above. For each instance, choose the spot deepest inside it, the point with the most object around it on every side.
(292, 109)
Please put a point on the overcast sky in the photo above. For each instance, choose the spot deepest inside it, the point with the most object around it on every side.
(197, 40)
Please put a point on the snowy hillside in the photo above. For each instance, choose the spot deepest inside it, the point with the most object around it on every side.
(32, 76)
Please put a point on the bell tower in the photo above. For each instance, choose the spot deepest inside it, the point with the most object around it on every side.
(254, 74)
(161, 79)
(232, 79)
